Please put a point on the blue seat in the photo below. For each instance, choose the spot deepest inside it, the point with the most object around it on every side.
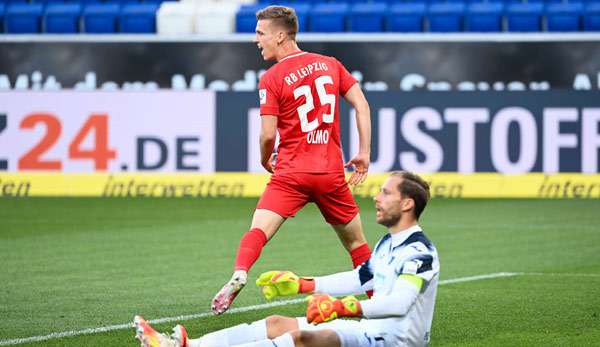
(50, 1)
(446, 17)
(564, 17)
(484, 17)
(100, 18)
(367, 17)
(1, 17)
(245, 18)
(138, 18)
(591, 17)
(524, 17)
(328, 17)
(302, 9)
(406, 17)
(23, 18)
(61, 18)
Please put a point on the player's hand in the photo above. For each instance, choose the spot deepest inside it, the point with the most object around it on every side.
(360, 164)
(270, 164)
(324, 308)
(283, 283)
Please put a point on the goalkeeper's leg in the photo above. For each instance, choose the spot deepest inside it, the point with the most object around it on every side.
(298, 338)
(262, 330)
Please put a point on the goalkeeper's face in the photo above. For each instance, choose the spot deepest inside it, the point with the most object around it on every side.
(389, 203)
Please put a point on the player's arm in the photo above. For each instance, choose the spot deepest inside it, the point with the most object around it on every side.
(323, 308)
(357, 99)
(286, 283)
(398, 302)
(268, 136)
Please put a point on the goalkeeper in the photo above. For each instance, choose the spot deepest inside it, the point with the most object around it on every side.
(402, 272)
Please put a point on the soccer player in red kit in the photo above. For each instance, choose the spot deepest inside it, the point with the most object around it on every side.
(299, 99)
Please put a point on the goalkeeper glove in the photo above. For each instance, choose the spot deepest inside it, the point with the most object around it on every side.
(324, 308)
(284, 283)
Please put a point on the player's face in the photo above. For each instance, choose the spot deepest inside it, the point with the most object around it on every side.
(389, 202)
(266, 38)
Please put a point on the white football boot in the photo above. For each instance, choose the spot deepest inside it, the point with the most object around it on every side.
(230, 290)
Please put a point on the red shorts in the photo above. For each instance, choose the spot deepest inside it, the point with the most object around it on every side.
(287, 193)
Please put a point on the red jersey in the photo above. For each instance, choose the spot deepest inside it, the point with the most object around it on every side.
(303, 90)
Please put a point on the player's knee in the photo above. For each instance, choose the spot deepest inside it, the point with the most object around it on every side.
(279, 325)
(303, 338)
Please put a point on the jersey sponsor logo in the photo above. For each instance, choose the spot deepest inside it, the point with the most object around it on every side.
(262, 94)
(305, 71)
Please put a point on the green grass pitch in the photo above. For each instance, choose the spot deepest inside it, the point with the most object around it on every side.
(72, 264)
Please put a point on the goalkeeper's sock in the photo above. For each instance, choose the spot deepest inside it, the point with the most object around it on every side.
(236, 335)
(360, 255)
(251, 245)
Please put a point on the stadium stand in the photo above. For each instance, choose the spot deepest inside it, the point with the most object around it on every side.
(406, 17)
(100, 18)
(320, 16)
(591, 17)
(484, 17)
(367, 17)
(245, 21)
(217, 18)
(22, 18)
(524, 17)
(1, 17)
(564, 17)
(138, 18)
(328, 17)
(61, 18)
(445, 17)
(302, 10)
(175, 18)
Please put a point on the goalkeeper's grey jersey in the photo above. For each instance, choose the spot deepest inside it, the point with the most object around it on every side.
(407, 252)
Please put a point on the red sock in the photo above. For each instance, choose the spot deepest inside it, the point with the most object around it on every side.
(359, 255)
(251, 245)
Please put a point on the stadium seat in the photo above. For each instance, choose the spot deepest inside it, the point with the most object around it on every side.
(591, 17)
(367, 17)
(446, 17)
(100, 18)
(563, 17)
(328, 17)
(1, 17)
(405, 17)
(484, 17)
(216, 18)
(245, 19)
(138, 18)
(524, 17)
(175, 18)
(23, 18)
(158, 2)
(302, 9)
(61, 18)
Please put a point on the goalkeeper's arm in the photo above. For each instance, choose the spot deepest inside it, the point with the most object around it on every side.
(285, 283)
(323, 308)
(397, 303)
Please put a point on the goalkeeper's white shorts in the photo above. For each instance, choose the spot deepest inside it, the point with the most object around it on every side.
(352, 333)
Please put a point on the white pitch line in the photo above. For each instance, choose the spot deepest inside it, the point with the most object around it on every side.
(206, 314)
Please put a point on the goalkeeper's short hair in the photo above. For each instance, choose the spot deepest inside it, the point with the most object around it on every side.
(414, 187)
